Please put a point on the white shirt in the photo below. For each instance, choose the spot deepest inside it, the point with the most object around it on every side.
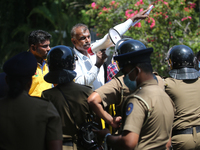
(87, 72)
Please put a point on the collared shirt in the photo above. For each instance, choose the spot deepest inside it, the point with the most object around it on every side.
(112, 70)
(38, 83)
(186, 96)
(155, 133)
(87, 72)
(28, 123)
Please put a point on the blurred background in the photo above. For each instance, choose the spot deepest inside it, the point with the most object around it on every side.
(171, 22)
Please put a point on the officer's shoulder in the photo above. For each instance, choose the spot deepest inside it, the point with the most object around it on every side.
(40, 99)
(83, 86)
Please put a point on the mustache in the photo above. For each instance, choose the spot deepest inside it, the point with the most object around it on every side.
(87, 44)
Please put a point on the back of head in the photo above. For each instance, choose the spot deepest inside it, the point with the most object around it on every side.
(19, 70)
(181, 61)
(38, 36)
(132, 52)
(61, 62)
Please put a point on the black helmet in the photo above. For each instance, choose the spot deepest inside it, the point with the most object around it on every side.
(181, 61)
(132, 52)
(61, 62)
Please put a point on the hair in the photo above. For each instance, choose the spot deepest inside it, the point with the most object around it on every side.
(16, 85)
(198, 54)
(38, 36)
(146, 67)
(73, 31)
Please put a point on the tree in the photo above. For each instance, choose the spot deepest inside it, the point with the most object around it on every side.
(171, 22)
(19, 17)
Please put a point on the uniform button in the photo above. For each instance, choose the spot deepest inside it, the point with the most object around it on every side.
(140, 88)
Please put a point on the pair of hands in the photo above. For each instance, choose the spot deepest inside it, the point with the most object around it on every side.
(101, 133)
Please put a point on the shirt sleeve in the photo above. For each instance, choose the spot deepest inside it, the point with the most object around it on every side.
(85, 78)
(54, 127)
(135, 115)
(110, 92)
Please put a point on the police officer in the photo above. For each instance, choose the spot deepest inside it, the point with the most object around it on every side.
(27, 122)
(183, 87)
(69, 98)
(115, 91)
(147, 113)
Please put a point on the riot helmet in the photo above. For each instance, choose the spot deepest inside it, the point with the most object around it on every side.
(130, 51)
(61, 62)
(181, 62)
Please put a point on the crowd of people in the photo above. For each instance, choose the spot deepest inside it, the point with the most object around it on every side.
(47, 94)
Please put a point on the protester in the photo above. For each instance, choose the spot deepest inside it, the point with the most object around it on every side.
(89, 69)
(27, 122)
(148, 113)
(183, 87)
(39, 46)
(69, 98)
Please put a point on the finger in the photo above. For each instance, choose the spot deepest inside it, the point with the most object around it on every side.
(145, 11)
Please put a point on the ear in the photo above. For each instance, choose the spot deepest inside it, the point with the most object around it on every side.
(33, 47)
(138, 69)
(73, 41)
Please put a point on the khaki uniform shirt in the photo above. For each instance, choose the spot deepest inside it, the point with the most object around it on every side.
(76, 94)
(186, 96)
(155, 133)
(111, 92)
(28, 123)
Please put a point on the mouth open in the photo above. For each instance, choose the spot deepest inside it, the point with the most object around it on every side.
(87, 46)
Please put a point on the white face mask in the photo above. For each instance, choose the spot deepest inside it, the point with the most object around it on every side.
(132, 85)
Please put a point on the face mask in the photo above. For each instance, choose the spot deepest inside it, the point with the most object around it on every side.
(132, 85)
(199, 64)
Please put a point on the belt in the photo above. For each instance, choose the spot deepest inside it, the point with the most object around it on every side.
(67, 143)
(185, 131)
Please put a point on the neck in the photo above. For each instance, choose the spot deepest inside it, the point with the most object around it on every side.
(144, 77)
(84, 52)
(39, 60)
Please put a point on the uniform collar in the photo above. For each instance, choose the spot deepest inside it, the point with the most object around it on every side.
(147, 83)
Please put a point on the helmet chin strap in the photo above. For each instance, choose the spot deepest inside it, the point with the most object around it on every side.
(169, 63)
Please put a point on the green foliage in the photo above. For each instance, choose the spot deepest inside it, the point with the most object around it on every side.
(171, 22)
(19, 17)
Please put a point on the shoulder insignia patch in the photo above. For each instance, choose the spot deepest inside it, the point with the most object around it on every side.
(129, 108)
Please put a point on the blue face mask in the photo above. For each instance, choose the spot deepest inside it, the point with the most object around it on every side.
(132, 85)
(199, 64)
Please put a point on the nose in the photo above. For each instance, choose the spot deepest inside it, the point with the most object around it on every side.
(87, 39)
(48, 48)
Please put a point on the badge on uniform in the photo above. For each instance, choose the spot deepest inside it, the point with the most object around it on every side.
(129, 108)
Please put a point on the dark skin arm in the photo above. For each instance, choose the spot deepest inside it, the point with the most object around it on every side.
(128, 140)
(140, 15)
(54, 145)
(94, 101)
(101, 56)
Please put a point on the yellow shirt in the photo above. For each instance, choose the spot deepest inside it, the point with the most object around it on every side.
(38, 82)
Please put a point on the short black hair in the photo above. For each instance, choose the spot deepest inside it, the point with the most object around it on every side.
(38, 36)
(146, 67)
(198, 54)
(73, 31)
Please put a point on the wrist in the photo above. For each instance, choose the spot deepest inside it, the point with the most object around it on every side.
(105, 138)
